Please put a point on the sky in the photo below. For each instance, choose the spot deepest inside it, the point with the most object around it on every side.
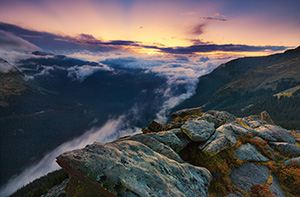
(164, 26)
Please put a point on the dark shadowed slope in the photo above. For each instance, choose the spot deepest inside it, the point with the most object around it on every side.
(248, 85)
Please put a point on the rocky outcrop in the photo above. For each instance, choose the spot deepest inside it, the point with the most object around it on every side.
(185, 112)
(199, 130)
(249, 153)
(286, 148)
(248, 174)
(130, 167)
(153, 164)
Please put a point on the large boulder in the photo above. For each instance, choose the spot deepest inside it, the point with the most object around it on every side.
(157, 146)
(266, 117)
(286, 148)
(249, 174)
(198, 130)
(221, 139)
(249, 153)
(170, 139)
(275, 133)
(129, 167)
(185, 112)
(289, 161)
(224, 115)
(212, 119)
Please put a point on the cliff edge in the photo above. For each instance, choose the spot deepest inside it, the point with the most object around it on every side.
(196, 154)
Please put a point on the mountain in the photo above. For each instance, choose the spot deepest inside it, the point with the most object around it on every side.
(248, 85)
(47, 100)
(200, 154)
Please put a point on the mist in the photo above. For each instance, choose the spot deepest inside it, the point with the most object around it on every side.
(110, 131)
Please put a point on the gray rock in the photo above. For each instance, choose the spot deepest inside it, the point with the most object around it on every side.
(257, 123)
(275, 188)
(221, 139)
(198, 130)
(127, 165)
(228, 117)
(286, 148)
(57, 190)
(170, 139)
(239, 129)
(249, 153)
(258, 138)
(248, 174)
(266, 117)
(185, 112)
(275, 133)
(157, 146)
(289, 161)
(212, 119)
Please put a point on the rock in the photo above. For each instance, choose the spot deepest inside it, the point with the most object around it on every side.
(212, 119)
(248, 174)
(198, 130)
(289, 161)
(227, 117)
(176, 123)
(258, 139)
(275, 188)
(130, 167)
(286, 148)
(146, 130)
(157, 146)
(275, 133)
(266, 117)
(257, 123)
(185, 112)
(239, 129)
(57, 190)
(221, 139)
(170, 139)
(249, 153)
(156, 126)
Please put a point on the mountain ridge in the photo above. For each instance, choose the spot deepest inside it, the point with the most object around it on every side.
(249, 81)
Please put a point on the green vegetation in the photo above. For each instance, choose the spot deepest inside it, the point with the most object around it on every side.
(40, 186)
(219, 165)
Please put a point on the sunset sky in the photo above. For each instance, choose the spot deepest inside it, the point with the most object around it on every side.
(164, 26)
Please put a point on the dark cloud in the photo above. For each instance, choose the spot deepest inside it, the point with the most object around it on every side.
(10, 41)
(49, 41)
(214, 18)
(198, 29)
(53, 42)
(204, 59)
(214, 47)
(182, 58)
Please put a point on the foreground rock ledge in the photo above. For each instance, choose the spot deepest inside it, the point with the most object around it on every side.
(130, 168)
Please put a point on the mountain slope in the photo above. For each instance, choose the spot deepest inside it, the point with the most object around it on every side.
(247, 85)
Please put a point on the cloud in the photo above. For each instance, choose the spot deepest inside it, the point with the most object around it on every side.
(80, 73)
(214, 47)
(112, 130)
(5, 67)
(203, 59)
(85, 42)
(216, 17)
(198, 29)
(8, 41)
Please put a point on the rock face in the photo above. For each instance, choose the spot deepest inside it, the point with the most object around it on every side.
(248, 152)
(199, 130)
(152, 164)
(186, 112)
(248, 174)
(130, 166)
